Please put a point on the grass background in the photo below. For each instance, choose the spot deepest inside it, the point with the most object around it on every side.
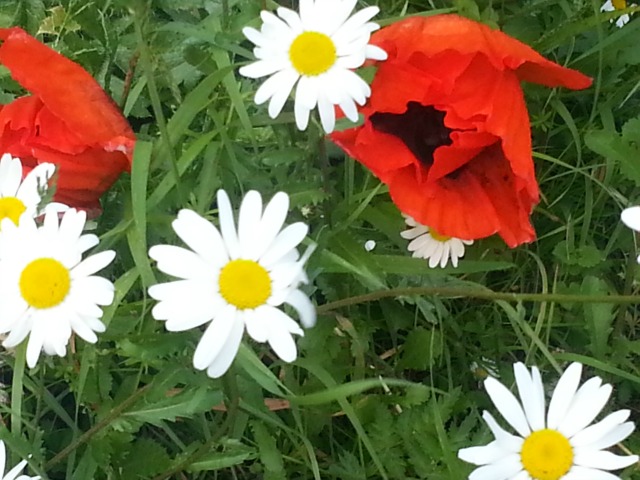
(383, 388)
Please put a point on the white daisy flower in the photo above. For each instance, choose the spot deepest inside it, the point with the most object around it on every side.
(18, 196)
(612, 6)
(317, 49)
(428, 244)
(235, 279)
(631, 218)
(46, 290)
(562, 446)
(15, 471)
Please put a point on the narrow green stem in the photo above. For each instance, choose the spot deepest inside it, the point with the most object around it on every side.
(479, 294)
(232, 400)
(17, 389)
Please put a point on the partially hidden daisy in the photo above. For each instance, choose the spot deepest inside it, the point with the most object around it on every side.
(428, 244)
(18, 196)
(15, 471)
(631, 218)
(47, 291)
(235, 279)
(612, 6)
(316, 49)
(561, 445)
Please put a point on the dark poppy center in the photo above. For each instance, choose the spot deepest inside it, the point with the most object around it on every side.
(421, 128)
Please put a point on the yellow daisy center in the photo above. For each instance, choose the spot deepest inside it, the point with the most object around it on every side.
(546, 455)
(619, 4)
(437, 236)
(45, 283)
(312, 53)
(11, 207)
(245, 284)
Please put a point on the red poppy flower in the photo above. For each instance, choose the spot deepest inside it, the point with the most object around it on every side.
(446, 126)
(68, 121)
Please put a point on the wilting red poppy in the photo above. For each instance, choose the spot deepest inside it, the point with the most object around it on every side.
(446, 126)
(67, 120)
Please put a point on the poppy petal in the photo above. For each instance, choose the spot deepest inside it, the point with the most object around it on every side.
(67, 90)
(433, 35)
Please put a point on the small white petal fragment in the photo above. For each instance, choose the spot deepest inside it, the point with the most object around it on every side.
(428, 244)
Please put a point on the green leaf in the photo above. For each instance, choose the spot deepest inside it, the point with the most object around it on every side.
(234, 453)
(623, 149)
(184, 404)
(421, 349)
(586, 256)
(270, 456)
(599, 316)
(145, 458)
(57, 21)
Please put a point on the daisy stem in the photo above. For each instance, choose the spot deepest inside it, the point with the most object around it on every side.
(479, 294)
(17, 389)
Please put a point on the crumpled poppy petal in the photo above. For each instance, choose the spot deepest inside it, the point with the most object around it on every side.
(446, 204)
(477, 202)
(67, 90)
(436, 34)
(380, 157)
(464, 148)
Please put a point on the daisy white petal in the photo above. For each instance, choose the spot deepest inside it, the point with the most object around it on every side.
(611, 438)
(302, 117)
(504, 438)
(249, 220)
(227, 225)
(507, 405)
(200, 236)
(563, 395)
(582, 473)
(482, 455)
(257, 327)
(532, 395)
(590, 399)
(504, 468)
(214, 337)
(223, 361)
(604, 460)
(286, 240)
(600, 429)
(15, 471)
(302, 304)
(375, 53)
